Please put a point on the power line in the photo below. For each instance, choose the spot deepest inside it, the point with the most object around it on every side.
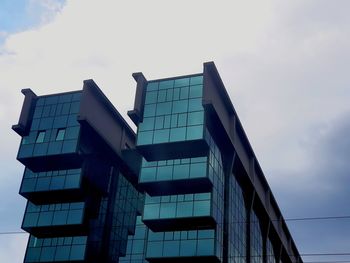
(301, 254)
(327, 261)
(306, 254)
(316, 218)
(324, 254)
(298, 219)
(13, 233)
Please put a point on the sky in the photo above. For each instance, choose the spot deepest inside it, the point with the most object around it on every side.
(284, 64)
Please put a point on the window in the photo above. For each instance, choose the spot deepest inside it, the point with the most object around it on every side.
(60, 134)
(40, 137)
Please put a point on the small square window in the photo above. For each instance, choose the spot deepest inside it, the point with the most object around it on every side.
(40, 137)
(60, 134)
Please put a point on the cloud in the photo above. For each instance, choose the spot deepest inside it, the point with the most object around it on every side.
(285, 65)
(320, 189)
(44, 10)
(3, 34)
(12, 247)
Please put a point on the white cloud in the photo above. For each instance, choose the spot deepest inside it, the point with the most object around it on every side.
(108, 40)
(12, 247)
(3, 34)
(43, 11)
(284, 65)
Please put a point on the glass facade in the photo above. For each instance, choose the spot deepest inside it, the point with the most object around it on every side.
(189, 243)
(54, 127)
(256, 239)
(128, 203)
(172, 112)
(146, 244)
(177, 206)
(187, 205)
(86, 202)
(57, 249)
(136, 245)
(53, 214)
(102, 205)
(237, 228)
(270, 254)
(176, 169)
(50, 180)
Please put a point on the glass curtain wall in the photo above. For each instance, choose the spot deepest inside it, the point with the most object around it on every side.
(237, 240)
(256, 240)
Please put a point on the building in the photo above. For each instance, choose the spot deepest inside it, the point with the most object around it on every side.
(78, 180)
(186, 188)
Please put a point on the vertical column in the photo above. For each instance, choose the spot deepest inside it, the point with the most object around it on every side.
(250, 196)
(228, 161)
(266, 231)
(112, 189)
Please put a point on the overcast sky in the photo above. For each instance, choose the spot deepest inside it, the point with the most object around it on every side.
(285, 65)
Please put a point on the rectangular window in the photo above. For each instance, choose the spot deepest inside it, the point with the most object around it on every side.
(60, 134)
(40, 137)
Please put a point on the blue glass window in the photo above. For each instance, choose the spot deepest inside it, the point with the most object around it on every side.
(72, 133)
(150, 110)
(180, 106)
(194, 132)
(151, 211)
(74, 107)
(177, 134)
(184, 209)
(145, 137)
(159, 122)
(196, 80)
(177, 104)
(166, 84)
(198, 170)
(167, 210)
(151, 86)
(41, 136)
(154, 249)
(171, 248)
(184, 93)
(69, 146)
(55, 214)
(161, 136)
(162, 95)
(205, 247)
(60, 134)
(188, 248)
(60, 121)
(195, 118)
(181, 171)
(163, 108)
(182, 82)
(40, 149)
(196, 91)
(195, 104)
(164, 172)
(77, 252)
(147, 124)
(151, 97)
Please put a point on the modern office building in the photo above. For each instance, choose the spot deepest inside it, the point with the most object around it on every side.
(186, 188)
